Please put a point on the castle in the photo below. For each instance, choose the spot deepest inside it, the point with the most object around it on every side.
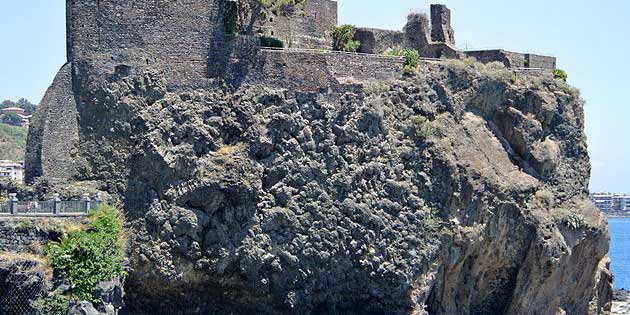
(190, 44)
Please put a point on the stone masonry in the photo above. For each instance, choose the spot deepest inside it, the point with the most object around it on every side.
(441, 30)
(186, 42)
(309, 29)
(436, 41)
(54, 131)
(513, 59)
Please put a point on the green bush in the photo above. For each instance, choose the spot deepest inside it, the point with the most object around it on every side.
(422, 125)
(267, 41)
(411, 56)
(53, 305)
(560, 74)
(343, 38)
(87, 257)
(26, 224)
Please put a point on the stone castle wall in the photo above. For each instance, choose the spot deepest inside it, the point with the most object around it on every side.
(54, 131)
(377, 41)
(176, 37)
(441, 29)
(308, 30)
(513, 59)
(310, 71)
(416, 34)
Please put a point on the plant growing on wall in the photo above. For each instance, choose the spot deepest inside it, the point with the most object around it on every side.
(560, 74)
(343, 38)
(53, 305)
(411, 56)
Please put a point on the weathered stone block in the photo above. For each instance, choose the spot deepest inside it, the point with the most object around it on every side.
(441, 30)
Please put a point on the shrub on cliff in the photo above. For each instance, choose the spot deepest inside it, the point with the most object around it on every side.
(422, 125)
(560, 74)
(87, 257)
(343, 38)
(411, 56)
(53, 305)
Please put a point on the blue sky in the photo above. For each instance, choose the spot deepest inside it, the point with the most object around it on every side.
(33, 36)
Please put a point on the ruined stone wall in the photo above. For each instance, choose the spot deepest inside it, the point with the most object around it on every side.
(176, 37)
(539, 61)
(54, 132)
(309, 29)
(514, 59)
(487, 56)
(415, 35)
(313, 71)
(377, 41)
(441, 29)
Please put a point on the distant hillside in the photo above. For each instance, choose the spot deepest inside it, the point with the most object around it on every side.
(12, 142)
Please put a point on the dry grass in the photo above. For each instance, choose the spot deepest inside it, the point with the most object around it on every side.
(41, 263)
(230, 149)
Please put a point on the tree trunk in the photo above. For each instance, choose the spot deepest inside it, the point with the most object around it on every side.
(254, 16)
(241, 18)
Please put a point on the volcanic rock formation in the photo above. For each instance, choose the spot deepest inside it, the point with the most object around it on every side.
(461, 190)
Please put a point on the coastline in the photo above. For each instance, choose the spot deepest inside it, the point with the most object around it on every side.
(612, 216)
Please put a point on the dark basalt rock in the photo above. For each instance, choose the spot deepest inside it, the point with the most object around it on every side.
(274, 201)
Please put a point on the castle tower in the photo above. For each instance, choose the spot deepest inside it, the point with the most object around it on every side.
(441, 29)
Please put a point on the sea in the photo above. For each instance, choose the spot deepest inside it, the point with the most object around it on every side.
(620, 251)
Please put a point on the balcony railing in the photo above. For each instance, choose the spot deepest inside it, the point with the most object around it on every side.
(53, 207)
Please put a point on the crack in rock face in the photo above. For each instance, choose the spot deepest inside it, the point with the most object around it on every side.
(458, 191)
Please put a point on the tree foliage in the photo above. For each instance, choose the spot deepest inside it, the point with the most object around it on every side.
(343, 38)
(11, 119)
(22, 103)
(560, 74)
(87, 257)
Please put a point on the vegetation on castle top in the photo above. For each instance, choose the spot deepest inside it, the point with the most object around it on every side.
(267, 41)
(343, 38)
(560, 75)
(89, 256)
(411, 56)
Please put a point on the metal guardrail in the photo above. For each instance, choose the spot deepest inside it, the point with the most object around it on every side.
(54, 207)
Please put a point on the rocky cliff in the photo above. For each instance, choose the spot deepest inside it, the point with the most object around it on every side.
(461, 190)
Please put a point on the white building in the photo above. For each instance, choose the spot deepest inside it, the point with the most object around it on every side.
(12, 170)
(612, 203)
(603, 201)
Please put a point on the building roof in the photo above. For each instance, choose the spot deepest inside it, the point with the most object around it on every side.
(12, 109)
